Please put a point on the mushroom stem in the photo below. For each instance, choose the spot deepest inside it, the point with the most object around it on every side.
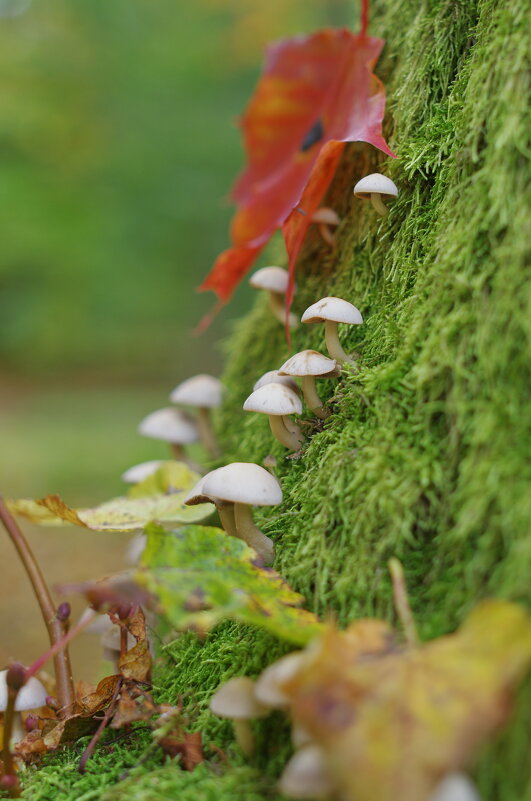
(379, 205)
(333, 345)
(311, 397)
(327, 234)
(287, 438)
(293, 428)
(226, 515)
(251, 534)
(61, 660)
(244, 736)
(206, 433)
(180, 456)
(278, 307)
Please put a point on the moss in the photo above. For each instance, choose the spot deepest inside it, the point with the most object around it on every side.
(425, 455)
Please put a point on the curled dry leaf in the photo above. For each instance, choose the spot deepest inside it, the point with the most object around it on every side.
(135, 664)
(393, 722)
(188, 746)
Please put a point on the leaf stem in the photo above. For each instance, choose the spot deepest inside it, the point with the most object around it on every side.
(63, 671)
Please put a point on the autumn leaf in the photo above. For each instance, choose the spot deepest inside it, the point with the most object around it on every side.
(135, 664)
(316, 93)
(159, 498)
(199, 576)
(392, 722)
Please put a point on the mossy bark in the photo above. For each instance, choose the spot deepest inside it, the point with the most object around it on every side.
(426, 453)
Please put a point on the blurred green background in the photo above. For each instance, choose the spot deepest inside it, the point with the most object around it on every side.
(118, 146)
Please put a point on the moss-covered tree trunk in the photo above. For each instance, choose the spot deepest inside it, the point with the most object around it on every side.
(426, 453)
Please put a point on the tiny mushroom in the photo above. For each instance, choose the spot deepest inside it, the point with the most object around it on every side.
(32, 695)
(273, 377)
(173, 426)
(269, 684)
(376, 186)
(139, 472)
(309, 364)
(325, 217)
(278, 401)
(240, 485)
(306, 775)
(236, 700)
(332, 311)
(274, 280)
(204, 392)
(455, 787)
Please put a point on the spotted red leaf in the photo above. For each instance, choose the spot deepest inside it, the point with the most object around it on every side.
(316, 93)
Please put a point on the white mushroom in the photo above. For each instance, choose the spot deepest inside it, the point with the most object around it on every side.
(245, 485)
(139, 472)
(306, 775)
(273, 377)
(455, 787)
(332, 311)
(274, 280)
(225, 508)
(278, 401)
(31, 696)
(205, 393)
(325, 217)
(173, 426)
(376, 186)
(309, 364)
(236, 700)
(269, 684)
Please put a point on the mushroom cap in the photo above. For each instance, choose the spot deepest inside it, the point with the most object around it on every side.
(335, 309)
(236, 700)
(197, 494)
(269, 684)
(243, 482)
(326, 216)
(274, 399)
(375, 184)
(274, 279)
(202, 390)
(99, 624)
(111, 638)
(455, 787)
(139, 472)
(169, 425)
(309, 362)
(273, 377)
(306, 775)
(31, 696)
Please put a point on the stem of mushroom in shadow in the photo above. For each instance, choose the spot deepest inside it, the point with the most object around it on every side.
(251, 534)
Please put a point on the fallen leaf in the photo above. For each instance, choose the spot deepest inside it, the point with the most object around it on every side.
(393, 722)
(199, 575)
(316, 93)
(188, 746)
(130, 710)
(135, 664)
(170, 477)
(95, 701)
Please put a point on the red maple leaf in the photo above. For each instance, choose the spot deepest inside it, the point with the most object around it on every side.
(316, 93)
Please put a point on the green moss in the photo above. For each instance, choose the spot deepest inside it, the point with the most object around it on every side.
(425, 455)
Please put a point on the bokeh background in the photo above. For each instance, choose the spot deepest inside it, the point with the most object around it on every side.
(118, 146)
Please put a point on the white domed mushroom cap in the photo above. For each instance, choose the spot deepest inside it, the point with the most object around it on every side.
(169, 425)
(326, 216)
(273, 377)
(306, 775)
(274, 279)
(201, 390)
(141, 471)
(309, 362)
(275, 399)
(376, 184)
(31, 696)
(269, 683)
(243, 482)
(236, 700)
(455, 787)
(197, 493)
(335, 309)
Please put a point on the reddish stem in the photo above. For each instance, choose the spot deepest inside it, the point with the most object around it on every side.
(364, 22)
(63, 671)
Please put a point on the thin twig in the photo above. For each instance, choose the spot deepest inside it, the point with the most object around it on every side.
(63, 670)
(99, 731)
(401, 600)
